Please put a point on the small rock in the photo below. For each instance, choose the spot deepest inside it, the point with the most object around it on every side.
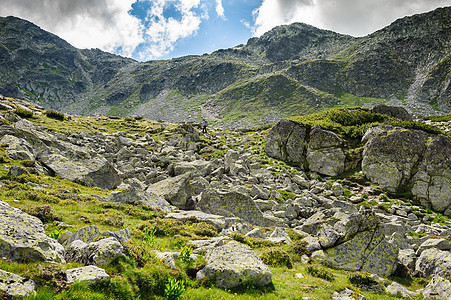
(88, 273)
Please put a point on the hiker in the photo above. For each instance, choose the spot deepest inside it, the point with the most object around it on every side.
(204, 124)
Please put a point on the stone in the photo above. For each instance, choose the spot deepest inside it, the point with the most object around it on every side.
(231, 204)
(434, 262)
(438, 288)
(396, 288)
(441, 244)
(134, 195)
(432, 182)
(330, 162)
(87, 273)
(407, 258)
(85, 234)
(122, 235)
(93, 171)
(392, 111)
(97, 253)
(175, 190)
(337, 189)
(234, 263)
(286, 141)
(18, 148)
(279, 235)
(217, 221)
(15, 285)
(390, 154)
(202, 246)
(23, 239)
(255, 233)
(347, 294)
(196, 168)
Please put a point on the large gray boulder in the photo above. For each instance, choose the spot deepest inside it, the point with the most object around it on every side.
(14, 285)
(18, 148)
(175, 190)
(286, 141)
(234, 263)
(217, 221)
(432, 182)
(392, 111)
(232, 204)
(361, 246)
(438, 288)
(97, 253)
(390, 155)
(22, 237)
(92, 170)
(196, 167)
(134, 195)
(434, 262)
(91, 233)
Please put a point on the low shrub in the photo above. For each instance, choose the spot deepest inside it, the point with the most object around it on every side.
(174, 289)
(361, 278)
(320, 273)
(24, 113)
(277, 258)
(45, 213)
(54, 115)
(138, 252)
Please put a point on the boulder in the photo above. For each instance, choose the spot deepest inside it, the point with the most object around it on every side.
(361, 245)
(232, 204)
(395, 288)
(97, 253)
(390, 154)
(438, 288)
(434, 262)
(330, 162)
(85, 234)
(88, 273)
(440, 244)
(14, 285)
(286, 141)
(432, 182)
(22, 237)
(347, 294)
(234, 263)
(392, 111)
(134, 195)
(279, 235)
(218, 222)
(407, 258)
(18, 148)
(175, 190)
(196, 168)
(122, 235)
(92, 171)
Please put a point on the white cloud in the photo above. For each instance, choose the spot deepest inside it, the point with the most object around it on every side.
(354, 17)
(108, 24)
(220, 9)
(162, 33)
(103, 24)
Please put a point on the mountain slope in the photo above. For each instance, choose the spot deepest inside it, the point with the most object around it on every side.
(290, 70)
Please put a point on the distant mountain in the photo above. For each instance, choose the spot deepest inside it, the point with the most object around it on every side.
(290, 70)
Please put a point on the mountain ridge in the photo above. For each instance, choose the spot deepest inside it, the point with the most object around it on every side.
(405, 63)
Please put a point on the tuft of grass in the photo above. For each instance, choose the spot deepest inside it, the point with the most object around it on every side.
(277, 258)
(54, 115)
(320, 272)
(24, 113)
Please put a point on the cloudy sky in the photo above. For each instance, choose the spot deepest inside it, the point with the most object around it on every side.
(160, 29)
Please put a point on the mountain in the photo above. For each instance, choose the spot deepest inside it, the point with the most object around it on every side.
(290, 70)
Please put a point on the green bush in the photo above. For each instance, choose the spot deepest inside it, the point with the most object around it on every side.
(54, 115)
(45, 213)
(138, 252)
(277, 258)
(320, 273)
(151, 281)
(24, 113)
(438, 118)
(361, 278)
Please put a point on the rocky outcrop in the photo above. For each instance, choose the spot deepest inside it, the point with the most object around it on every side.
(438, 288)
(390, 155)
(14, 285)
(356, 242)
(286, 141)
(22, 238)
(434, 262)
(432, 182)
(233, 264)
(392, 111)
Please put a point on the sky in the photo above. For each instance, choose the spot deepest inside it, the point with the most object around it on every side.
(163, 29)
